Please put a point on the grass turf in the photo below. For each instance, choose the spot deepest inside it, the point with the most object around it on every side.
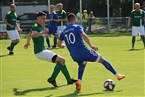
(23, 75)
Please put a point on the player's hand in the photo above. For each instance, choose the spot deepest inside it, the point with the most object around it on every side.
(12, 26)
(46, 31)
(59, 20)
(26, 45)
(19, 30)
(94, 47)
(46, 36)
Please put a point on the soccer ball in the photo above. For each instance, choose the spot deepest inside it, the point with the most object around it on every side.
(109, 84)
(62, 45)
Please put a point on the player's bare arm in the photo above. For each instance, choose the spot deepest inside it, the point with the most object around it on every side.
(18, 28)
(28, 41)
(129, 22)
(86, 39)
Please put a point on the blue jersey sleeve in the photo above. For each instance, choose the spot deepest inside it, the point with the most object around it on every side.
(56, 16)
(80, 30)
(61, 37)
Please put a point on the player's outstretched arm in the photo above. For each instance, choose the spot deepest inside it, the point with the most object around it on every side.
(35, 34)
(28, 41)
(86, 39)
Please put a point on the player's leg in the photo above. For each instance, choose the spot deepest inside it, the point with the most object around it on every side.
(133, 41)
(60, 66)
(108, 66)
(94, 56)
(61, 61)
(142, 34)
(81, 68)
(55, 41)
(55, 34)
(48, 42)
(48, 36)
(14, 36)
(134, 34)
(143, 39)
(50, 56)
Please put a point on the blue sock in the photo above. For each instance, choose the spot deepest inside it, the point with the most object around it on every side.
(81, 70)
(108, 66)
(48, 42)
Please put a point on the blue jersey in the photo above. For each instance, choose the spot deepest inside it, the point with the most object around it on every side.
(74, 42)
(53, 15)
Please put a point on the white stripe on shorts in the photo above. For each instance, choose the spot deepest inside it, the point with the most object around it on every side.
(98, 58)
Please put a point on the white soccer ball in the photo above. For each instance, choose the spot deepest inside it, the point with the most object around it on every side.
(62, 45)
(109, 84)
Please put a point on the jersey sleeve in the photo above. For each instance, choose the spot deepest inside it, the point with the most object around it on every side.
(61, 37)
(7, 16)
(131, 14)
(56, 16)
(64, 14)
(33, 29)
(80, 29)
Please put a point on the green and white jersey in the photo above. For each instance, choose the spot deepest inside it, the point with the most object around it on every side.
(11, 19)
(137, 18)
(61, 15)
(39, 41)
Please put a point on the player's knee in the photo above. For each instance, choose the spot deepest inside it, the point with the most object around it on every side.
(17, 41)
(62, 61)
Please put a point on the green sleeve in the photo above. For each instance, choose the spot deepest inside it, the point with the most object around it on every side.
(7, 16)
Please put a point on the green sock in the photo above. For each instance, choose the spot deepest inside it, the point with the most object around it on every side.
(66, 73)
(56, 71)
(143, 39)
(133, 41)
(55, 40)
(12, 46)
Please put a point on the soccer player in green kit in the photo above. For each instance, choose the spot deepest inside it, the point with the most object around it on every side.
(137, 18)
(10, 21)
(37, 34)
(62, 19)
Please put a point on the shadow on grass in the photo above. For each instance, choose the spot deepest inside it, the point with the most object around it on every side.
(24, 92)
(135, 49)
(4, 55)
(76, 93)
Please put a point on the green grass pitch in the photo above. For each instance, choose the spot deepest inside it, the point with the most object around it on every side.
(23, 75)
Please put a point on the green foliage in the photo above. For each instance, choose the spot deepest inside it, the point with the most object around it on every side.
(23, 75)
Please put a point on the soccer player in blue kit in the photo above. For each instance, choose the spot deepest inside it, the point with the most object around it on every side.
(53, 18)
(73, 35)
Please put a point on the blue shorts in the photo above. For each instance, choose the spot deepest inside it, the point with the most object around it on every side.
(53, 30)
(90, 56)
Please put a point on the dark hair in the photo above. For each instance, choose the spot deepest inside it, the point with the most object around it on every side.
(41, 14)
(70, 17)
